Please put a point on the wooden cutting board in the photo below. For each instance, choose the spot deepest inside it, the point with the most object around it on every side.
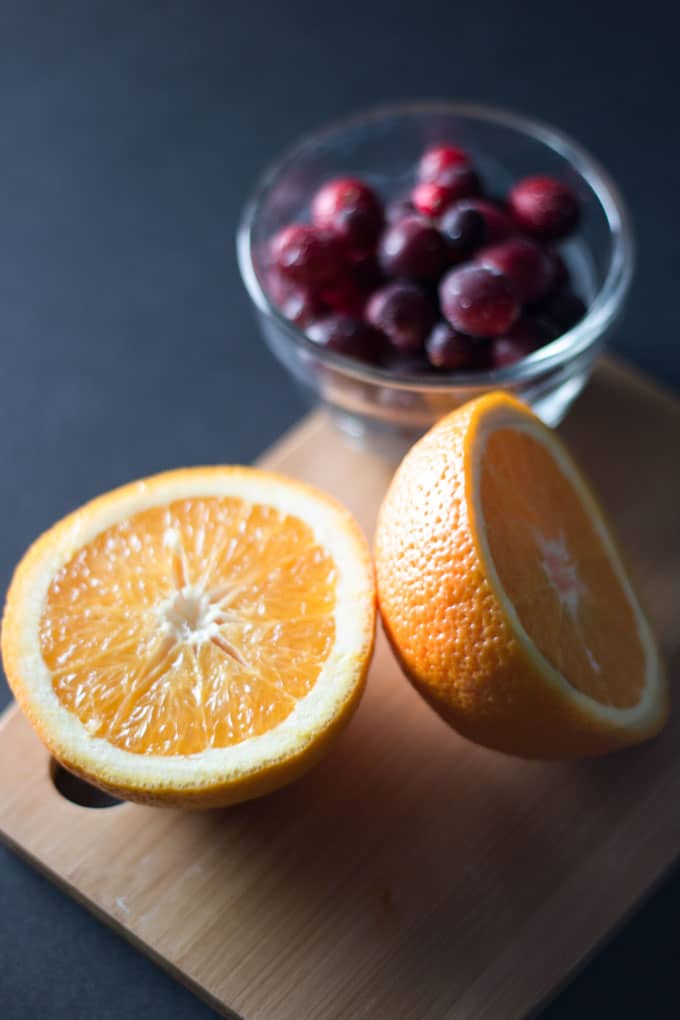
(411, 875)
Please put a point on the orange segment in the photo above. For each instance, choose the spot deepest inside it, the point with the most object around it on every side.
(555, 571)
(218, 617)
(196, 638)
(504, 596)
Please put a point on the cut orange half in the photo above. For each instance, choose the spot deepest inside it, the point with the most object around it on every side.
(504, 595)
(193, 638)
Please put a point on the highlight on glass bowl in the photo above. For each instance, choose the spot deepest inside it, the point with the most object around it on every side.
(411, 258)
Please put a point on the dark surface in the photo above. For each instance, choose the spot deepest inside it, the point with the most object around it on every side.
(130, 133)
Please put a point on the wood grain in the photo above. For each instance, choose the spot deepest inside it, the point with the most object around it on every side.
(411, 876)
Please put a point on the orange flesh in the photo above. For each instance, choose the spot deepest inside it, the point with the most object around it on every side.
(191, 626)
(555, 571)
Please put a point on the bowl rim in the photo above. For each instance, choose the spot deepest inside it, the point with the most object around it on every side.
(603, 310)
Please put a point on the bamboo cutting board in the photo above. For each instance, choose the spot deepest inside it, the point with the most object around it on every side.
(411, 876)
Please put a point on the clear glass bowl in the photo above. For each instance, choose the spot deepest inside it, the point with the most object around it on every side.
(382, 146)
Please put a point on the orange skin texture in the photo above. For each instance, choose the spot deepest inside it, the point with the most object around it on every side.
(448, 629)
(229, 790)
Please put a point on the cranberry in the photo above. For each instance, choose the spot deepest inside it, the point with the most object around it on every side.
(528, 267)
(499, 226)
(301, 307)
(544, 207)
(478, 301)
(297, 304)
(565, 309)
(349, 294)
(351, 210)
(348, 336)
(524, 336)
(432, 198)
(368, 274)
(403, 313)
(399, 208)
(461, 180)
(440, 158)
(464, 230)
(506, 352)
(307, 255)
(413, 248)
(531, 329)
(448, 349)
(346, 297)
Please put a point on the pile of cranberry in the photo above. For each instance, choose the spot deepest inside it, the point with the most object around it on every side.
(444, 279)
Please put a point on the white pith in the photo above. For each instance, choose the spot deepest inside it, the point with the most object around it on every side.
(311, 715)
(648, 707)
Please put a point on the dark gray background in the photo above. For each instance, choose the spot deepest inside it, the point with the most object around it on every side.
(130, 134)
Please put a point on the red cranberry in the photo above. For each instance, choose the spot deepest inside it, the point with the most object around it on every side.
(301, 307)
(533, 329)
(464, 230)
(368, 274)
(448, 349)
(346, 297)
(461, 180)
(349, 294)
(432, 198)
(506, 352)
(413, 248)
(398, 209)
(403, 313)
(348, 336)
(297, 304)
(565, 309)
(351, 210)
(544, 207)
(499, 226)
(478, 301)
(528, 267)
(440, 158)
(307, 255)
(523, 337)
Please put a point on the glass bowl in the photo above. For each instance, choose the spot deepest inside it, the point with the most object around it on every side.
(383, 146)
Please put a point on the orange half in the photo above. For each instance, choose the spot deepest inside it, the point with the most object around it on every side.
(195, 637)
(505, 596)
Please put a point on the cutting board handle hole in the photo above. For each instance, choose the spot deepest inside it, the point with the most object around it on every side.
(76, 790)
